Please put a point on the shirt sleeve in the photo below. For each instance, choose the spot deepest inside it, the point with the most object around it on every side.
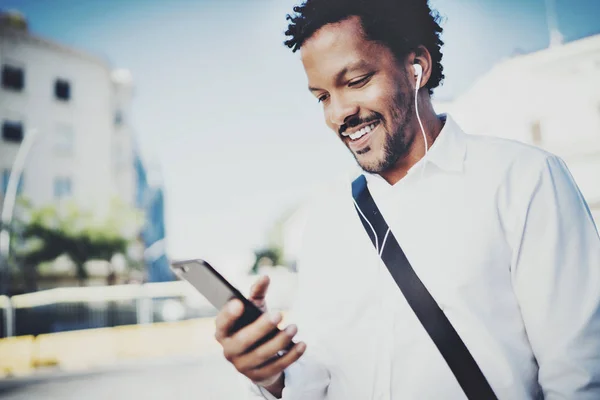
(556, 276)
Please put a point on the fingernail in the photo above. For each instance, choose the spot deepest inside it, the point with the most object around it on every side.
(275, 317)
(300, 347)
(291, 330)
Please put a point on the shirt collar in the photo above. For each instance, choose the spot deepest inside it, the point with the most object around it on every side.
(447, 152)
(449, 149)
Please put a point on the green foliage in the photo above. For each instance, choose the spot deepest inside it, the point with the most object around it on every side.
(49, 232)
(272, 253)
(81, 246)
(269, 256)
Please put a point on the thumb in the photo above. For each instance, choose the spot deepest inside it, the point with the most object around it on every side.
(258, 292)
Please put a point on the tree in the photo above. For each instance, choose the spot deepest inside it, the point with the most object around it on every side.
(272, 253)
(50, 232)
(269, 256)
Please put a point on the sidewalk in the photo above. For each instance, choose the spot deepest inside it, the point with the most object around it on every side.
(208, 378)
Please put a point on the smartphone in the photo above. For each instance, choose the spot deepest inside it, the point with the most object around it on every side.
(218, 291)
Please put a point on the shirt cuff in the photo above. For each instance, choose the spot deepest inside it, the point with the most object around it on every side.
(305, 379)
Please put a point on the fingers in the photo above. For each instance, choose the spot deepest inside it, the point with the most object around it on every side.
(275, 367)
(267, 351)
(245, 348)
(242, 340)
(259, 288)
(226, 318)
(235, 308)
(258, 292)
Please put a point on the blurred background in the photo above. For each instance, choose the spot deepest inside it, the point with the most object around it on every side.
(139, 132)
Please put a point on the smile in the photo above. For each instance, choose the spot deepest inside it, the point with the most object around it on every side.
(361, 132)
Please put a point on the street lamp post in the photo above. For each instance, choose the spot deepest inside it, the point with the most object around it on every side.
(8, 207)
(556, 38)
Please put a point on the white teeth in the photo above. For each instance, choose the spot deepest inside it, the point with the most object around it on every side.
(358, 134)
(362, 132)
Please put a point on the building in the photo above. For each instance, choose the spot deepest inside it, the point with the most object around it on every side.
(549, 99)
(79, 106)
(84, 149)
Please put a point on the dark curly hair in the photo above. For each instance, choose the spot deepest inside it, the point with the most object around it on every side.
(401, 25)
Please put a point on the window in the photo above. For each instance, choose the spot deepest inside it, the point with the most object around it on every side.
(12, 131)
(536, 133)
(64, 141)
(6, 177)
(62, 187)
(13, 77)
(62, 89)
(118, 118)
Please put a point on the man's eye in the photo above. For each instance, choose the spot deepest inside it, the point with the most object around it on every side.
(322, 98)
(360, 82)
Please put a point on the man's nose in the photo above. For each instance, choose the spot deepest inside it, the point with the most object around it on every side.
(341, 110)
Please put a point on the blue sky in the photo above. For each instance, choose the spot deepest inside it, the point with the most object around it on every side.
(222, 105)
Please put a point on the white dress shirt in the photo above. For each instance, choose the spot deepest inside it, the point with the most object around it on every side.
(503, 240)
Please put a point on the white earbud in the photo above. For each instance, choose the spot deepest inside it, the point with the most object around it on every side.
(418, 70)
(419, 74)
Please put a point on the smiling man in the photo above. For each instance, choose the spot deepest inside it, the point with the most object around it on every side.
(368, 96)
(497, 232)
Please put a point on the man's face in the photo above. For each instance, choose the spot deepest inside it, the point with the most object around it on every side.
(366, 93)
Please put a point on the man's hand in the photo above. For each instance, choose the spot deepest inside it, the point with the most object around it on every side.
(261, 365)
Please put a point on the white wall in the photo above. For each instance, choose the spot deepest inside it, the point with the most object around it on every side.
(89, 114)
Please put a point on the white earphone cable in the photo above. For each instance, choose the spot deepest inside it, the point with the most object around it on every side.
(368, 222)
(417, 86)
(384, 240)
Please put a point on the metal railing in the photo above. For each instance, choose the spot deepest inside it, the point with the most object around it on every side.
(68, 309)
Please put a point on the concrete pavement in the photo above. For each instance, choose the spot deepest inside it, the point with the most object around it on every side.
(206, 378)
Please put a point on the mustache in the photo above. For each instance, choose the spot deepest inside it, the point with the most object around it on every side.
(356, 121)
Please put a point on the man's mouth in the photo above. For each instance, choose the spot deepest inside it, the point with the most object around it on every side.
(361, 132)
(360, 138)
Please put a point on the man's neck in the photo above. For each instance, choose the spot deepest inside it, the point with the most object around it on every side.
(433, 126)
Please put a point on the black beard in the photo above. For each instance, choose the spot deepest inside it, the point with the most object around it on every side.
(396, 145)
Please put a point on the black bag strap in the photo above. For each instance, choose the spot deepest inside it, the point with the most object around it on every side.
(433, 319)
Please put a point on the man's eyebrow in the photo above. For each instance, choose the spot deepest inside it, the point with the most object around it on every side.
(361, 64)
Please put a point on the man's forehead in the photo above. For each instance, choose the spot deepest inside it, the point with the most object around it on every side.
(339, 46)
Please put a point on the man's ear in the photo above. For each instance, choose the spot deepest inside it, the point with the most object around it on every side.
(422, 57)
